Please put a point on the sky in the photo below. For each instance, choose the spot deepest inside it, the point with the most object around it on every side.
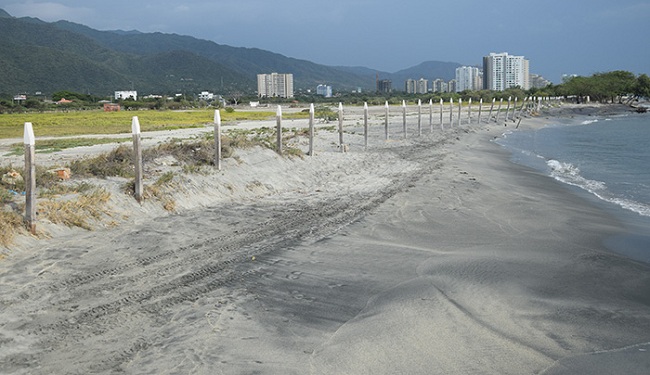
(557, 36)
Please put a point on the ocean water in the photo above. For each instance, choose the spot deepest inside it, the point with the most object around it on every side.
(605, 159)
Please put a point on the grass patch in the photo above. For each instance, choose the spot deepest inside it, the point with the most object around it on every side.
(100, 122)
(118, 162)
(78, 212)
(10, 224)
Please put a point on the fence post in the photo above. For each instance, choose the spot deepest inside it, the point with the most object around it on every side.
(419, 117)
(508, 109)
(480, 110)
(523, 104)
(451, 112)
(386, 120)
(365, 125)
(431, 114)
(514, 110)
(311, 129)
(491, 108)
(137, 158)
(341, 126)
(460, 104)
(469, 112)
(278, 129)
(404, 117)
(442, 126)
(217, 139)
(499, 110)
(30, 178)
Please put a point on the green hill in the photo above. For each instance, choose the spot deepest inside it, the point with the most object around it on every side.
(48, 57)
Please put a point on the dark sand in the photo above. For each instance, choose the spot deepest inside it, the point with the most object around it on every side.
(465, 264)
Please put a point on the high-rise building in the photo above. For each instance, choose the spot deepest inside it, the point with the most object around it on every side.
(451, 86)
(468, 78)
(324, 90)
(502, 71)
(439, 85)
(275, 85)
(422, 86)
(409, 86)
(384, 86)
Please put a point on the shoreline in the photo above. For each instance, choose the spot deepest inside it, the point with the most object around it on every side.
(444, 257)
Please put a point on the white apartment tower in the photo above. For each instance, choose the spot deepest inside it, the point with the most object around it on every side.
(467, 78)
(502, 71)
(275, 85)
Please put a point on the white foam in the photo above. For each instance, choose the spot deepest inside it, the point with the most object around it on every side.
(570, 174)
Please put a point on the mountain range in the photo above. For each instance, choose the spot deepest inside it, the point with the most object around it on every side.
(38, 56)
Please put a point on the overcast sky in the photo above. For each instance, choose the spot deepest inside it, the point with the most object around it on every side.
(557, 36)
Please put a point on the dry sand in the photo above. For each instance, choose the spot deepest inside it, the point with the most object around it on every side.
(430, 255)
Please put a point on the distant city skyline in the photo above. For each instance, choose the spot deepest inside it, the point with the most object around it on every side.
(558, 37)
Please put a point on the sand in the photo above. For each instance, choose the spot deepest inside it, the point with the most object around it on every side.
(430, 255)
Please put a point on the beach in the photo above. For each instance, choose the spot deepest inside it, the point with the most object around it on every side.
(427, 255)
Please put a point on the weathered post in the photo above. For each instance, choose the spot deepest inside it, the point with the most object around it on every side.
(137, 158)
(431, 115)
(311, 129)
(386, 121)
(365, 125)
(498, 111)
(419, 117)
(30, 178)
(442, 126)
(451, 112)
(480, 109)
(341, 127)
(404, 117)
(469, 112)
(217, 139)
(514, 110)
(460, 105)
(490, 114)
(523, 104)
(278, 130)
(508, 109)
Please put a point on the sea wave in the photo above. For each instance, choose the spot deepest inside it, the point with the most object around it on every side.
(587, 122)
(570, 174)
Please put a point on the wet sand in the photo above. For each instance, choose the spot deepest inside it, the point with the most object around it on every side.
(451, 261)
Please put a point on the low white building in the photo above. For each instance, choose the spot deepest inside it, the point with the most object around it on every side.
(206, 95)
(126, 95)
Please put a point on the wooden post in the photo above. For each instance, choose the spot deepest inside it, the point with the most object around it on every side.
(137, 158)
(514, 110)
(508, 109)
(523, 104)
(491, 108)
(499, 110)
(341, 126)
(278, 129)
(451, 112)
(30, 178)
(469, 112)
(431, 115)
(311, 129)
(442, 126)
(460, 104)
(480, 109)
(365, 125)
(419, 117)
(386, 121)
(217, 139)
(404, 117)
